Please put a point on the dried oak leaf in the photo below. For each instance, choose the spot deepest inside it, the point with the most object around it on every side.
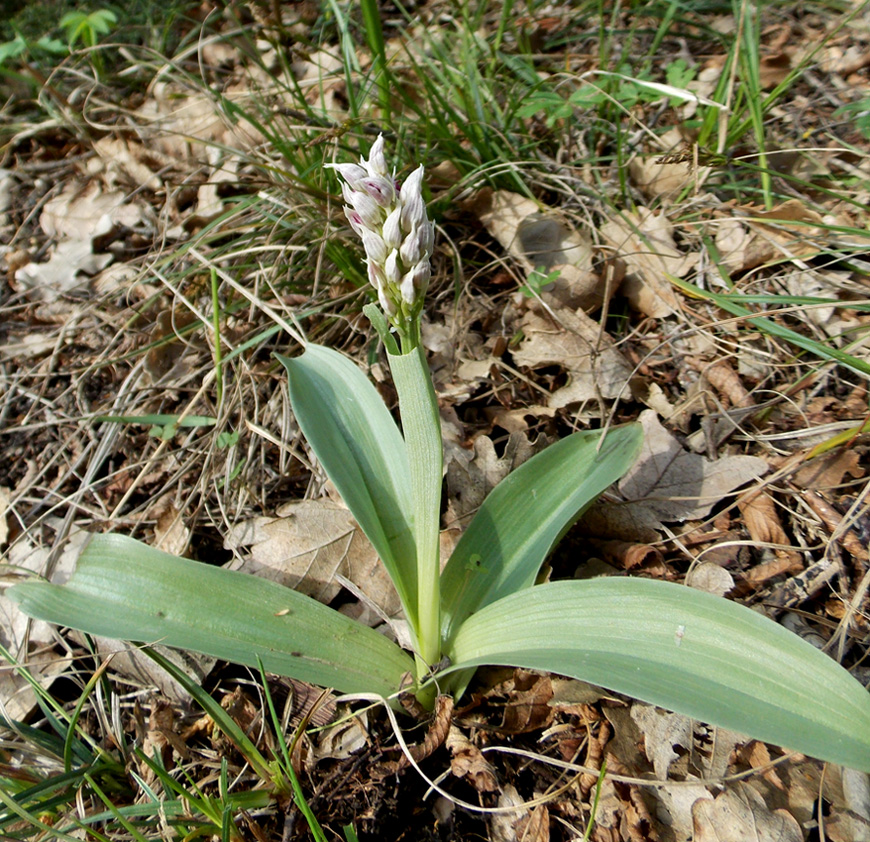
(645, 241)
(595, 368)
(668, 484)
(537, 237)
(740, 815)
(307, 547)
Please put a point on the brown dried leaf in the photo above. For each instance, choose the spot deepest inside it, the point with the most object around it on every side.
(658, 180)
(535, 827)
(827, 471)
(304, 549)
(710, 577)
(751, 237)
(663, 732)
(645, 241)
(439, 727)
(628, 554)
(740, 815)
(596, 369)
(467, 761)
(668, 484)
(471, 476)
(832, 518)
(761, 518)
(521, 825)
(528, 704)
(725, 380)
(541, 239)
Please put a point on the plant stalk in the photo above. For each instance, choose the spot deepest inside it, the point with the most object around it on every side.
(422, 430)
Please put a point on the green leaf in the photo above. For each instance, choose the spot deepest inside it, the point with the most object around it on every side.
(362, 451)
(525, 515)
(682, 649)
(126, 590)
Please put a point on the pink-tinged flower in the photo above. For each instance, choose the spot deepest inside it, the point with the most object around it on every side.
(381, 189)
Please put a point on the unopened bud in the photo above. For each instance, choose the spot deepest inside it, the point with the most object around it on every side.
(387, 304)
(375, 247)
(393, 229)
(377, 162)
(391, 268)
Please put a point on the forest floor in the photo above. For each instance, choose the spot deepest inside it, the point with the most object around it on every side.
(651, 212)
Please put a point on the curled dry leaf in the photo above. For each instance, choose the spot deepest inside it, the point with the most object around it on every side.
(762, 520)
(538, 239)
(579, 344)
(627, 554)
(721, 375)
(528, 704)
(467, 761)
(439, 727)
(645, 241)
(306, 546)
(521, 825)
(668, 484)
(738, 815)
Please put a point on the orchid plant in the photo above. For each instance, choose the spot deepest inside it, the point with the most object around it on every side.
(671, 645)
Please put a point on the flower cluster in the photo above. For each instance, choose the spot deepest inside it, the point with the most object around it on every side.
(396, 232)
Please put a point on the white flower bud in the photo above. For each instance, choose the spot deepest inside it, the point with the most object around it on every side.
(427, 238)
(420, 275)
(391, 268)
(374, 246)
(376, 276)
(377, 163)
(393, 229)
(413, 207)
(409, 293)
(410, 249)
(387, 304)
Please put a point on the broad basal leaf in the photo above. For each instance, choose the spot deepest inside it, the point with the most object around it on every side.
(124, 589)
(519, 522)
(362, 451)
(682, 649)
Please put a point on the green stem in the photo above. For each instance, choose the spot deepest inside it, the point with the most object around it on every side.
(422, 430)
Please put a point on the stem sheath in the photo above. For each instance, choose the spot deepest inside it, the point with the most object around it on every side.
(422, 430)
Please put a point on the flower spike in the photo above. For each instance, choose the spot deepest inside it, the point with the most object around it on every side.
(396, 232)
